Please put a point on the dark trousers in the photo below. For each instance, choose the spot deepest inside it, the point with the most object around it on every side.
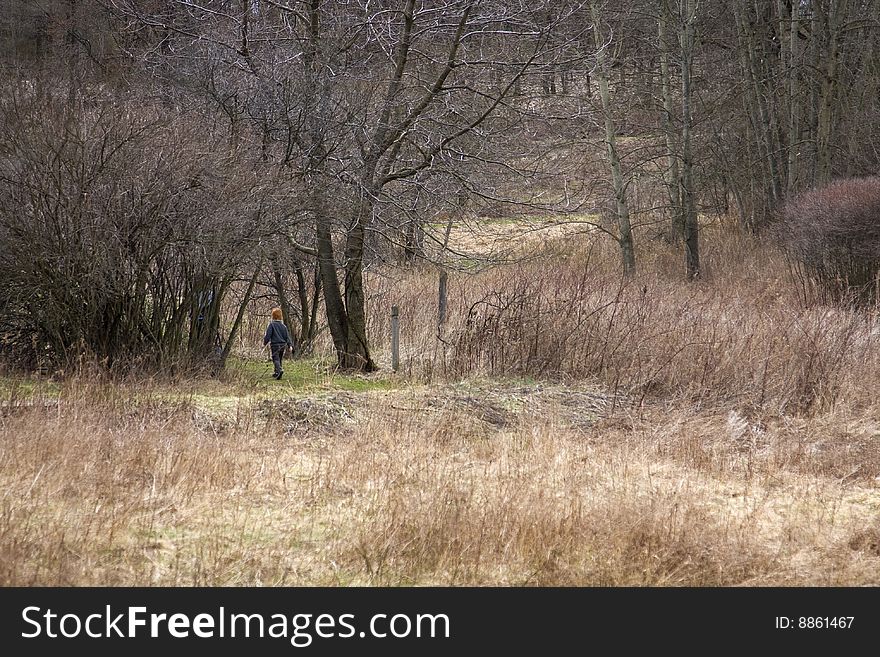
(277, 355)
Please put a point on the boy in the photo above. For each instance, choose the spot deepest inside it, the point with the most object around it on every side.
(277, 337)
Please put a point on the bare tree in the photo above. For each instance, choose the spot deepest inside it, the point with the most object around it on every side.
(687, 9)
(624, 237)
(363, 98)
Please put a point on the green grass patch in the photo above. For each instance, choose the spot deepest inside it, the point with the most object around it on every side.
(24, 387)
(303, 375)
(243, 381)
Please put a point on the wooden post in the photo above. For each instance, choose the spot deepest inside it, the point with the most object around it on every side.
(395, 338)
(441, 297)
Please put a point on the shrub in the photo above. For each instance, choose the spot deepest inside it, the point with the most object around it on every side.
(832, 233)
(121, 232)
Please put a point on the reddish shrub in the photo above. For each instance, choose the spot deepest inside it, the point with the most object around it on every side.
(833, 234)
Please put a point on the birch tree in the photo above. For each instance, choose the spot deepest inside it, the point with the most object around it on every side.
(624, 236)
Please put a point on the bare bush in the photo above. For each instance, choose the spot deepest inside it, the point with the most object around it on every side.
(122, 231)
(833, 235)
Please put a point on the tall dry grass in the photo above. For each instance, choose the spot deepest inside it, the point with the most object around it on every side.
(113, 488)
(744, 336)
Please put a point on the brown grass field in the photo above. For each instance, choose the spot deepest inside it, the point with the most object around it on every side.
(565, 428)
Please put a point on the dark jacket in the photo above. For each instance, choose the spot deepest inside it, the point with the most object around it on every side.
(276, 333)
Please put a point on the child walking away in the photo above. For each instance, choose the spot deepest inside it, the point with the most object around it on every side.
(277, 337)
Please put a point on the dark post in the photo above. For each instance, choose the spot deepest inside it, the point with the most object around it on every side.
(395, 338)
(441, 297)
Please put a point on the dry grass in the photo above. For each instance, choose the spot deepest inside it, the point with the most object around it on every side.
(498, 484)
(743, 339)
(568, 429)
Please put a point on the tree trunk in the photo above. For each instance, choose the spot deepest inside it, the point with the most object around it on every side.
(672, 175)
(309, 340)
(305, 327)
(357, 351)
(239, 317)
(337, 318)
(825, 123)
(763, 121)
(625, 237)
(280, 290)
(793, 137)
(414, 248)
(691, 227)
